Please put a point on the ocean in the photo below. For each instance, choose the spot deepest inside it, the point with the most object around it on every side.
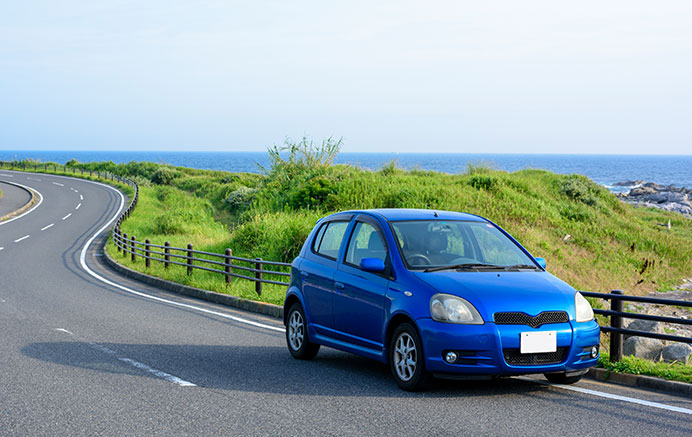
(603, 169)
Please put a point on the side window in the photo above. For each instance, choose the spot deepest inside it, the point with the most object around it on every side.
(328, 239)
(366, 242)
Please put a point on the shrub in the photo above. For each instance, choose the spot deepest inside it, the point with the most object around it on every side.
(165, 176)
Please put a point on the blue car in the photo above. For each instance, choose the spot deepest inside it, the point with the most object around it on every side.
(435, 293)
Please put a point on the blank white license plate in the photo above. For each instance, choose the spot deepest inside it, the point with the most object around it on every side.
(538, 342)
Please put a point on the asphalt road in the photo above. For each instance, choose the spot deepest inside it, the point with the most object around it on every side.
(80, 356)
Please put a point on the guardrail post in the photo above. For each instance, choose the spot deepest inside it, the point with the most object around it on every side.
(189, 259)
(116, 238)
(167, 251)
(616, 322)
(134, 248)
(124, 243)
(147, 247)
(228, 267)
(258, 276)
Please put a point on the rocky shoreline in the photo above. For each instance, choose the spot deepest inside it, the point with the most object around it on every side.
(653, 195)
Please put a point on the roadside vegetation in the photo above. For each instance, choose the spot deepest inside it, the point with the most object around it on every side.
(589, 238)
(676, 371)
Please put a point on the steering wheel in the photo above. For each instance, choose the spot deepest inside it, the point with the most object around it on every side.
(419, 256)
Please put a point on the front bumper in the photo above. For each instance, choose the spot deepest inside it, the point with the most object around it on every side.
(492, 349)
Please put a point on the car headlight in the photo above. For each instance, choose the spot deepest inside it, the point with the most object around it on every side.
(452, 309)
(584, 311)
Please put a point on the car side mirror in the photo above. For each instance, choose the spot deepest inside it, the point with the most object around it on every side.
(372, 265)
(541, 262)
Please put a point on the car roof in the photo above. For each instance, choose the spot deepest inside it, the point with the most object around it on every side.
(398, 214)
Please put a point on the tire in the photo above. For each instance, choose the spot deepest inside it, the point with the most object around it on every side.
(406, 359)
(562, 378)
(297, 335)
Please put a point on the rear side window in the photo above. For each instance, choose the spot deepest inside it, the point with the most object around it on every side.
(328, 239)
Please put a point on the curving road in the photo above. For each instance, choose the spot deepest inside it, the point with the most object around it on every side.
(84, 351)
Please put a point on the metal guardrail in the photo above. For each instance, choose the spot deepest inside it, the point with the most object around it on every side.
(617, 313)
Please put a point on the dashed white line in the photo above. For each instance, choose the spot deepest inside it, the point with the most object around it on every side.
(1, 248)
(34, 179)
(56, 183)
(67, 216)
(7, 175)
(81, 197)
(78, 206)
(156, 372)
(49, 226)
(21, 239)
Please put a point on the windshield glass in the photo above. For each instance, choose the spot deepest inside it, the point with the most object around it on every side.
(426, 244)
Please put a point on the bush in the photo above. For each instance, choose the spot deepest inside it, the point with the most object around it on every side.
(165, 176)
(240, 199)
(580, 189)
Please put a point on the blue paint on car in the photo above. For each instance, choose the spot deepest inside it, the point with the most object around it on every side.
(435, 293)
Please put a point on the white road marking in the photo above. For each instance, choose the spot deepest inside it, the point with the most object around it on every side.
(21, 239)
(34, 179)
(40, 201)
(158, 373)
(1, 248)
(610, 396)
(81, 197)
(49, 226)
(67, 216)
(56, 183)
(7, 175)
(82, 260)
(78, 206)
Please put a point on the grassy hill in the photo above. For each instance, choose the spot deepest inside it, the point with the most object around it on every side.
(589, 238)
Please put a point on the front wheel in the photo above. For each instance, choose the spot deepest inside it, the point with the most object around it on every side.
(297, 335)
(562, 378)
(406, 358)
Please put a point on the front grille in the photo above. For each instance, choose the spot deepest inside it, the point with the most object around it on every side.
(518, 318)
(516, 358)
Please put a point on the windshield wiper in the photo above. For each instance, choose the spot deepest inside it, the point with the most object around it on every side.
(465, 266)
(521, 266)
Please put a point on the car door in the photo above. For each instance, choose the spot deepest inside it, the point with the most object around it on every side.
(317, 272)
(359, 298)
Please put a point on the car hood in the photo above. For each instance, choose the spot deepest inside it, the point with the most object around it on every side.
(491, 292)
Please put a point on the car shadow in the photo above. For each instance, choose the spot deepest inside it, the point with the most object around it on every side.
(261, 369)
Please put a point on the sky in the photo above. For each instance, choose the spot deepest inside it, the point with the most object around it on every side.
(386, 76)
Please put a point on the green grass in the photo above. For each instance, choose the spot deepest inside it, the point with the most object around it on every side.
(270, 215)
(638, 366)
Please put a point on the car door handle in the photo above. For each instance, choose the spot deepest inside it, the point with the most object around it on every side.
(339, 285)
(304, 274)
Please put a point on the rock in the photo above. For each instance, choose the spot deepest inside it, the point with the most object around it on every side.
(646, 326)
(642, 191)
(629, 183)
(677, 352)
(642, 347)
(652, 195)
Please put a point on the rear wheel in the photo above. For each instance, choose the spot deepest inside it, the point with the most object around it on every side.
(562, 378)
(297, 335)
(406, 358)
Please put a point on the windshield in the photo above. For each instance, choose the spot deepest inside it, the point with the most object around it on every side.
(437, 244)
